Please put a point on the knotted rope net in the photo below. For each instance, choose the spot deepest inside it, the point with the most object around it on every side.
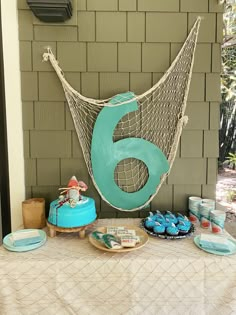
(159, 118)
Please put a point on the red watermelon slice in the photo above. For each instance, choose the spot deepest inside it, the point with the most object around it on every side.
(216, 229)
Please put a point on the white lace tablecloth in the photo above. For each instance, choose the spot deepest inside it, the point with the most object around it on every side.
(69, 276)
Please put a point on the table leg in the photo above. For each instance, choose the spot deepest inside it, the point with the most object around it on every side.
(82, 234)
(52, 232)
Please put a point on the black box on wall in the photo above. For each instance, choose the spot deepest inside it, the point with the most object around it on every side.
(51, 10)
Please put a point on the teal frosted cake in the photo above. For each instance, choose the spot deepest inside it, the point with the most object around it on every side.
(72, 209)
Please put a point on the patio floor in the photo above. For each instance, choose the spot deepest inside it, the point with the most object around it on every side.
(226, 190)
(226, 198)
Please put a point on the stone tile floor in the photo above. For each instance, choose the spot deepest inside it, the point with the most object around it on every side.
(226, 197)
(226, 190)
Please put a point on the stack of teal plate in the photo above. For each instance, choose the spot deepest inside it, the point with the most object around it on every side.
(24, 240)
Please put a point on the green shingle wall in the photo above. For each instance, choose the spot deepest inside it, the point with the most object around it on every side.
(111, 46)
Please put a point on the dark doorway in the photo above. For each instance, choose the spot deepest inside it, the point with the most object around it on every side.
(5, 214)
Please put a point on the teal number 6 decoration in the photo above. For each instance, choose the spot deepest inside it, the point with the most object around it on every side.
(106, 154)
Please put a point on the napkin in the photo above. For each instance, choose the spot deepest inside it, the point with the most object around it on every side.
(213, 242)
(25, 238)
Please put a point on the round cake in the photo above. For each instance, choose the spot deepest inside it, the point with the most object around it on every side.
(72, 209)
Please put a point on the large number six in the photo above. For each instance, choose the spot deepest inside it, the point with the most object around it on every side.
(106, 154)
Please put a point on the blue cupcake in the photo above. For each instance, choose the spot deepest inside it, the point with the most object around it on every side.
(172, 230)
(172, 218)
(160, 218)
(180, 217)
(152, 216)
(167, 222)
(159, 228)
(158, 211)
(168, 214)
(183, 227)
(149, 223)
(187, 223)
(185, 220)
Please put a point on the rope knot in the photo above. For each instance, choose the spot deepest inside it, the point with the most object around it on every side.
(45, 56)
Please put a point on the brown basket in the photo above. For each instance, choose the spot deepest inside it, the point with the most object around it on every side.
(33, 212)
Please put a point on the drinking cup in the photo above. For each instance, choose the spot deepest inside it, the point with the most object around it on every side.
(205, 209)
(193, 206)
(210, 201)
(217, 218)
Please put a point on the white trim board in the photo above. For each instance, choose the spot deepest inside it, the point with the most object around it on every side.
(11, 58)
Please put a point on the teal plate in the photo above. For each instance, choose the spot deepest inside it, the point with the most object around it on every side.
(232, 244)
(7, 242)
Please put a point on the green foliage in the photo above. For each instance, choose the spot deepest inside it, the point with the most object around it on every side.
(230, 196)
(228, 82)
(231, 159)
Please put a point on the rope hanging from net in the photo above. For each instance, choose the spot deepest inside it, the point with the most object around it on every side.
(116, 133)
